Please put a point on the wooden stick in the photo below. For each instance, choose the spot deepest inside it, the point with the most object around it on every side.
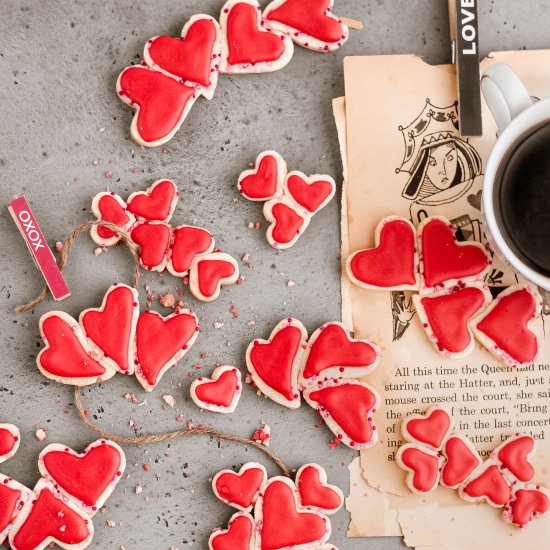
(351, 23)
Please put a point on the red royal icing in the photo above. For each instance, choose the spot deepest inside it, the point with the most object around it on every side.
(111, 211)
(210, 273)
(314, 493)
(309, 195)
(9, 499)
(111, 328)
(237, 537)
(391, 263)
(425, 467)
(65, 356)
(154, 240)
(162, 101)
(188, 242)
(514, 456)
(461, 462)
(490, 484)
(527, 504)
(7, 443)
(87, 477)
(282, 525)
(308, 16)
(443, 259)
(506, 325)
(332, 348)
(220, 392)
(432, 429)
(188, 58)
(155, 205)
(262, 184)
(274, 361)
(240, 489)
(159, 340)
(247, 44)
(448, 317)
(50, 517)
(287, 223)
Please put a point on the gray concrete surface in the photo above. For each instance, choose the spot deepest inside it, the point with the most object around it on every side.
(59, 115)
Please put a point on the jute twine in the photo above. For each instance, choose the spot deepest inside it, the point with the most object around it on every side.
(82, 413)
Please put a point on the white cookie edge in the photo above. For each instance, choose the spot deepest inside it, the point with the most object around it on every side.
(323, 479)
(16, 433)
(194, 284)
(268, 214)
(111, 241)
(169, 264)
(281, 175)
(309, 180)
(214, 377)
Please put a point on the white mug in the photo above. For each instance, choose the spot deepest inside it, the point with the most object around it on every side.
(516, 115)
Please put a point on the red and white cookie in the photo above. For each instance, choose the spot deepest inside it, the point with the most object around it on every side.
(393, 262)
(315, 493)
(156, 203)
(209, 272)
(347, 407)
(153, 239)
(10, 439)
(332, 353)
(422, 466)
(310, 23)
(312, 193)
(67, 358)
(186, 242)
(86, 478)
(274, 363)
(528, 501)
(513, 456)
(287, 222)
(193, 59)
(108, 206)
(46, 518)
(505, 327)
(13, 497)
(265, 180)
(281, 524)
(444, 261)
(461, 459)
(430, 429)
(486, 484)
(247, 46)
(161, 342)
(240, 490)
(239, 535)
(221, 392)
(161, 104)
(446, 317)
(110, 329)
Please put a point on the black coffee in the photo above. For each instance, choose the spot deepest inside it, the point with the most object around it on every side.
(522, 196)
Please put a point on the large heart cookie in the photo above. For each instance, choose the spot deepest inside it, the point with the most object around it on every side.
(513, 456)
(486, 484)
(240, 490)
(156, 203)
(265, 180)
(422, 467)
(430, 429)
(209, 272)
(310, 192)
(13, 497)
(108, 206)
(315, 493)
(527, 503)
(287, 222)
(239, 535)
(10, 438)
(221, 392)
(186, 243)
(153, 239)
(461, 459)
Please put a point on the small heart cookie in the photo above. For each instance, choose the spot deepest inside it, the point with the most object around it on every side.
(239, 535)
(488, 484)
(513, 456)
(526, 503)
(209, 272)
(461, 459)
(240, 490)
(13, 497)
(221, 392)
(108, 206)
(265, 180)
(187, 242)
(431, 428)
(286, 220)
(10, 439)
(156, 203)
(315, 493)
(422, 465)
(153, 239)
(311, 193)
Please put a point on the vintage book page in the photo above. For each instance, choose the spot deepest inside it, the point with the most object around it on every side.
(397, 108)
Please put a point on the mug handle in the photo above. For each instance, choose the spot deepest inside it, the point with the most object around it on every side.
(504, 93)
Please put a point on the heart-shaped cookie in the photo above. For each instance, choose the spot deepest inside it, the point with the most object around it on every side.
(67, 357)
(88, 478)
(332, 353)
(156, 203)
(310, 192)
(110, 329)
(221, 392)
(286, 222)
(527, 503)
(13, 496)
(239, 535)
(504, 328)
(240, 490)
(265, 180)
(161, 104)
(446, 316)
(193, 59)
(274, 363)
(347, 407)
(513, 457)
(461, 459)
(444, 261)
(422, 466)
(209, 272)
(187, 242)
(393, 262)
(309, 23)
(315, 493)
(431, 428)
(486, 484)
(108, 206)
(161, 342)
(10, 438)
(247, 46)
(153, 239)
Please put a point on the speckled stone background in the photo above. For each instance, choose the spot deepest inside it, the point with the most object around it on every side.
(63, 129)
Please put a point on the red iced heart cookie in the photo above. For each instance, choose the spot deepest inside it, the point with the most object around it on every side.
(221, 393)
(110, 329)
(315, 493)
(309, 23)
(430, 429)
(446, 317)
(109, 207)
(192, 59)
(186, 243)
(274, 363)
(393, 262)
(488, 484)
(46, 518)
(157, 203)
(279, 522)
(161, 104)
(422, 466)
(265, 180)
(287, 222)
(332, 353)
(209, 272)
(347, 406)
(513, 457)
(461, 459)
(527, 503)
(247, 46)
(240, 490)
(153, 239)
(13, 496)
(312, 193)
(10, 438)
(445, 262)
(67, 357)
(239, 535)
(87, 478)
(161, 342)
(504, 327)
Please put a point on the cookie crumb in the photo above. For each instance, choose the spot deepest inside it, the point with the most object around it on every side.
(169, 400)
(97, 251)
(291, 283)
(167, 300)
(40, 434)
(262, 435)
